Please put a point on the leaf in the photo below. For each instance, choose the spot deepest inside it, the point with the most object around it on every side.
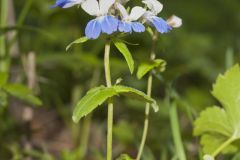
(220, 125)
(3, 98)
(4, 30)
(211, 142)
(98, 95)
(131, 92)
(77, 41)
(91, 100)
(144, 68)
(124, 157)
(213, 120)
(3, 78)
(126, 53)
(23, 93)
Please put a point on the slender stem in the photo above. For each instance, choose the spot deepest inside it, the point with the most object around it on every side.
(147, 107)
(3, 23)
(176, 132)
(146, 121)
(110, 103)
(225, 144)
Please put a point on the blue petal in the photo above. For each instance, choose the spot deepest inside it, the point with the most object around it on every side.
(93, 29)
(160, 24)
(138, 27)
(125, 27)
(64, 3)
(109, 24)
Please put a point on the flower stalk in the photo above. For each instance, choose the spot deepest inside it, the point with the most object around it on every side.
(149, 93)
(110, 102)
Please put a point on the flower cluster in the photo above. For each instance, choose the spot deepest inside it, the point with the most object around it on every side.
(111, 16)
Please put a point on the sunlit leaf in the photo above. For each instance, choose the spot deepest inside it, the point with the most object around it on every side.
(146, 67)
(98, 95)
(23, 93)
(126, 53)
(221, 125)
(77, 41)
(3, 78)
(91, 100)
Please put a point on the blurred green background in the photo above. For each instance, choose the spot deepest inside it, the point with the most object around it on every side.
(195, 53)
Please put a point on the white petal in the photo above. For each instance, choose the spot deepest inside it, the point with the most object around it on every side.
(154, 5)
(122, 10)
(105, 5)
(91, 7)
(123, 1)
(136, 13)
(175, 21)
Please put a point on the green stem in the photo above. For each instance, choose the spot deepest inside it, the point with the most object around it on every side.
(3, 23)
(147, 107)
(146, 121)
(225, 144)
(110, 103)
(176, 132)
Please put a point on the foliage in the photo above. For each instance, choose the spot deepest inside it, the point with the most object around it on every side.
(219, 127)
(16, 90)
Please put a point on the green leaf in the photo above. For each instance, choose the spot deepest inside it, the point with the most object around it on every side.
(124, 157)
(126, 53)
(131, 92)
(23, 93)
(98, 95)
(77, 41)
(3, 78)
(91, 100)
(211, 142)
(146, 67)
(220, 125)
(3, 98)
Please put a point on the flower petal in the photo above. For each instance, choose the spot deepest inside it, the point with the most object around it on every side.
(66, 3)
(136, 13)
(105, 5)
(160, 24)
(109, 24)
(93, 29)
(138, 27)
(122, 10)
(175, 21)
(125, 27)
(154, 5)
(91, 7)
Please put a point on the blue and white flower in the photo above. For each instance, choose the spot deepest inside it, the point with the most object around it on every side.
(151, 16)
(129, 21)
(104, 22)
(67, 3)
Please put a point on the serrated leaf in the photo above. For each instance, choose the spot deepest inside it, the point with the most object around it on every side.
(23, 93)
(3, 78)
(146, 67)
(126, 53)
(77, 41)
(131, 92)
(91, 100)
(215, 122)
